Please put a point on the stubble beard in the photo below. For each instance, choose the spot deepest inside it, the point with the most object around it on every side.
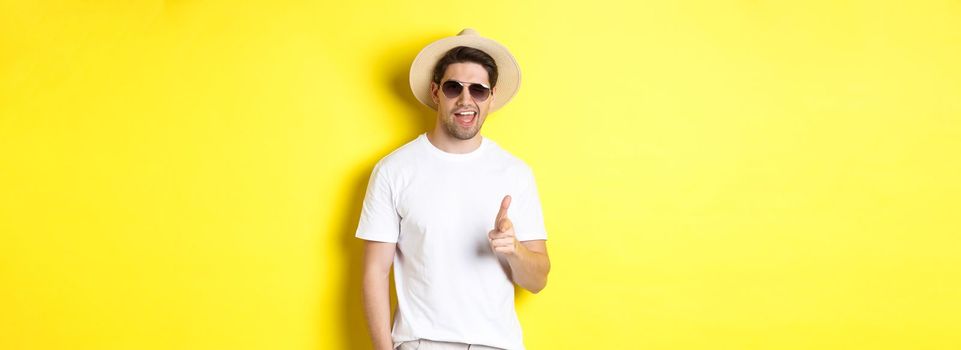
(460, 133)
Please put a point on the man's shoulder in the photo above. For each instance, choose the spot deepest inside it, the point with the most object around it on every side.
(508, 159)
(399, 156)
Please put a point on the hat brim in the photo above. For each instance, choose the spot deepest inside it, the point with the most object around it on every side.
(508, 72)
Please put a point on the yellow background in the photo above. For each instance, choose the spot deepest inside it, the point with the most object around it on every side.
(714, 174)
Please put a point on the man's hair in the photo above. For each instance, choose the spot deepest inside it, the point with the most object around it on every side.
(463, 54)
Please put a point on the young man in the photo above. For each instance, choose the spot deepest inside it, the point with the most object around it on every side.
(458, 216)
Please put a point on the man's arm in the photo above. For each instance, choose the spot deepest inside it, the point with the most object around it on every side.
(528, 259)
(530, 265)
(378, 256)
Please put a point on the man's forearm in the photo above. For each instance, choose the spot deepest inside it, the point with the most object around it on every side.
(529, 268)
(377, 308)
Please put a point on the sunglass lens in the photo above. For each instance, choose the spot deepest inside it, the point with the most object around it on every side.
(479, 92)
(451, 89)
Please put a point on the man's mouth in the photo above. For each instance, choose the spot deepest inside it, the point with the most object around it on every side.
(465, 118)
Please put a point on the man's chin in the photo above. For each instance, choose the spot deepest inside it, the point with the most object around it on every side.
(463, 135)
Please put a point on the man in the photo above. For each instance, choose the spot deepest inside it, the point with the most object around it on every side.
(458, 216)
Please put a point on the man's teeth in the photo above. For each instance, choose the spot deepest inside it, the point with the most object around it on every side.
(464, 114)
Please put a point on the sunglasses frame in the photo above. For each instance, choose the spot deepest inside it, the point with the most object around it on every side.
(463, 85)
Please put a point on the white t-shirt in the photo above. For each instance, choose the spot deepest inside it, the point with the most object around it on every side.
(438, 207)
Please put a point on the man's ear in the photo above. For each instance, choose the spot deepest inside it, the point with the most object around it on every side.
(493, 95)
(433, 93)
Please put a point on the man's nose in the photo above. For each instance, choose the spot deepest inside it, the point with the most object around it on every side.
(464, 97)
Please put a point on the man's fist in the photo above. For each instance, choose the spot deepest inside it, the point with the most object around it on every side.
(502, 238)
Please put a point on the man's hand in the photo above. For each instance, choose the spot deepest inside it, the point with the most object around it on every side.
(501, 238)
(528, 260)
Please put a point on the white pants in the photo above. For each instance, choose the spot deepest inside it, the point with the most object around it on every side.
(424, 344)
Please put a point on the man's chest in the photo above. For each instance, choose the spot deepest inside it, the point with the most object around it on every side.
(454, 199)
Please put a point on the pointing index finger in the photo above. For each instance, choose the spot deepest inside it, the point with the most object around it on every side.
(502, 213)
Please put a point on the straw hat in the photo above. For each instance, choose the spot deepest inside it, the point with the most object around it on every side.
(508, 73)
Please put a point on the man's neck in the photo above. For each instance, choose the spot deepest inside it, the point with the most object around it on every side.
(447, 143)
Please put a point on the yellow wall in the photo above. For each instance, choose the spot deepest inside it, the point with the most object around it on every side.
(714, 175)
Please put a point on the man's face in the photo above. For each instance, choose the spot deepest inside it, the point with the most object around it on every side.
(451, 111)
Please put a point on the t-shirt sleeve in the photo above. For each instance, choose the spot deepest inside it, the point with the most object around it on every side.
(379, 220)
(526, 213)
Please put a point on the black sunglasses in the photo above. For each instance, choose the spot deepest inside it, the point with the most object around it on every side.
(453, 88)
